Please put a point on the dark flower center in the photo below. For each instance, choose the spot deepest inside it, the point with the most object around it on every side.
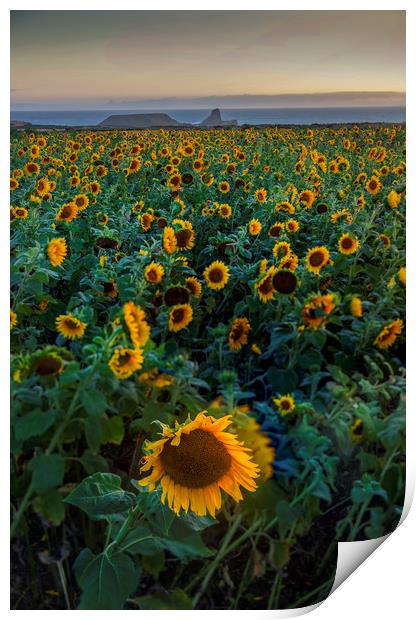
(216, 275)
(285, 282)
(176, 295)
(316, 259)
(198, 461)
(183, 237)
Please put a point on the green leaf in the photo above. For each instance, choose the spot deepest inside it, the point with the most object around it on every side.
(100, 496)
(33, 424)
(113, 430)
(93, 463)
(155, 563)
(282, 381)
(279, 553)
(51, 506)
(94, 402)
(47, 472)
(198, 523)
(93, 433)
(185, 543)
(106, 580)
(287, 516)
(175, 600)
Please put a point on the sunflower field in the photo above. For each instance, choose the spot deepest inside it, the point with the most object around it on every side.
(207, 337)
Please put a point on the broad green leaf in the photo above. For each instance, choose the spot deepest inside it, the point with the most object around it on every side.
(177, 599)
(51, 506)
(33, 424)
(113, 430)
(282, 381)
(106, 580)
(94, 402)
(101, 496)
(47, 472)
(93, 463)
(93, 433)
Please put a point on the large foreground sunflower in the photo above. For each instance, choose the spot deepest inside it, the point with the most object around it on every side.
(197, 459)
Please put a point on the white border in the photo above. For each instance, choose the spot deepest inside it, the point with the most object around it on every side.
(383, 586)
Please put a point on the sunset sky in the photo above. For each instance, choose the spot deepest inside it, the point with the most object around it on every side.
(84, 59)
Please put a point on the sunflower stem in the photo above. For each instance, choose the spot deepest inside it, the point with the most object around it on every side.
(214, 565)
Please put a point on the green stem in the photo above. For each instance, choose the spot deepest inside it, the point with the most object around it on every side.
(214, 565)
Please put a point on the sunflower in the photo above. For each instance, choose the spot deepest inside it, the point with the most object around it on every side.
(47, 363)
(155, 378)
(185, 238)
(225, 211)
(238, 333)
(70, 326)
(174, 182)
(347, 244)
(264, 287)
(102, 218)
(388, 334)
(20, 213)
(95, 188)
(175, 295)
(197, 459)
(57, 251)
(306, 198)
(154, 273)
(224, 187)
(146, 220)
(316, 259)
(393, 199)
(43, 187)
(216, 275)
(254, 227)
(13, 319)
(385, 239)
(285, 404)
(292, 226)
(281, 249)
(373, 186)
(169, 240)
(31, 168)
(179, 317)
(357, 430)
(261, 195)
(316, 311)
(402, 275)
(124, 362)
(138, 327)
(81, 202)
(67, 212)
(194, 285)
(250, 434)
(276, 229)
(14, 183)
(356, 307)
(286, 206)
(285, 282)
(110, 289)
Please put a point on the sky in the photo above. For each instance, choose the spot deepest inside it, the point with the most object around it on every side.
(88, 59)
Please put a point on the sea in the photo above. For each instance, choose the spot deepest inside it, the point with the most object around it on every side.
(244, 116)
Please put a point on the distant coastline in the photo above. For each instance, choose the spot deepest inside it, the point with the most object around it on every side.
(250, 116)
